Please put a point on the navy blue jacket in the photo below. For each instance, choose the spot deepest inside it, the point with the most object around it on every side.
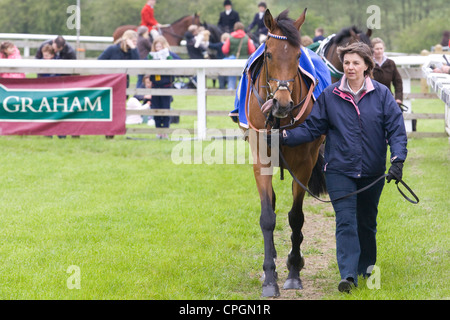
(259, 23)
(114, 52)
(357, 134)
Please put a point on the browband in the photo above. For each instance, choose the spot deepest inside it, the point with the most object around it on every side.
(276, 36)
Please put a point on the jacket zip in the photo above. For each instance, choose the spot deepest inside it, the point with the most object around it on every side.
(348, 97)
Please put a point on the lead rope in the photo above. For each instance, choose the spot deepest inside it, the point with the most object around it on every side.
(416, 201)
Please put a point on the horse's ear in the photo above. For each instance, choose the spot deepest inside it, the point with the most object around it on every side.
(299, 22)
(268, 20)
(369, 32)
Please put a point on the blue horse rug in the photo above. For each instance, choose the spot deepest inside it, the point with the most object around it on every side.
(310, 65)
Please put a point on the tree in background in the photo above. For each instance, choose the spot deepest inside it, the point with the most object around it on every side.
(421, 18)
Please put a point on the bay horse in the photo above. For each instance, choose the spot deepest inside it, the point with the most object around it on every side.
(344, 37)
(281, 82)
(173, 33)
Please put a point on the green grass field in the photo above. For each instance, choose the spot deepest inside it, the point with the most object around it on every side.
(137, 226)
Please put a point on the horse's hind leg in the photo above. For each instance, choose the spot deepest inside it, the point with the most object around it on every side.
(295, 261)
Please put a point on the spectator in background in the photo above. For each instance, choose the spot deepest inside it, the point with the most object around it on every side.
(145, 100)
(62, 49)
(306, 41)
(190, 36)
(445, 42)
(318, 35)
(124, 49)
(9, 51)
(258, 21)
(217, 46)
(48, 53)
(134, 103)
(228, 17)
(161, 51)
(238, 46)
(144, 46)
(385, 70)
(202, 41)
(148, 18)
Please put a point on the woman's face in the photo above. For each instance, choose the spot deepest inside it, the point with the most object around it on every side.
(354, 67)
(378, 51)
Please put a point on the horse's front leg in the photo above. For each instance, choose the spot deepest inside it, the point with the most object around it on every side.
(267, 222)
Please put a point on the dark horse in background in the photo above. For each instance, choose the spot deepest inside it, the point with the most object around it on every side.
(344, 37)
(173, 33)
(281, 82)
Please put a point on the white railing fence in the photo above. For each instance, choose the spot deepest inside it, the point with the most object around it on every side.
(410, 68)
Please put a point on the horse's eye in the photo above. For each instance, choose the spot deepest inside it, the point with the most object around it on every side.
(298, 56)
(268, 55)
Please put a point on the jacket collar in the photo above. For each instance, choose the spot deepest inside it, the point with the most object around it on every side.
(369, 84)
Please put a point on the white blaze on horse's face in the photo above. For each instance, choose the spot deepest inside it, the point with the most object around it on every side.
(282, 63)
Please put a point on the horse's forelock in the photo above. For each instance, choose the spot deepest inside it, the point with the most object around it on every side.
(288, 28)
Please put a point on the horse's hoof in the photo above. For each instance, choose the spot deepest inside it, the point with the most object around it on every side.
(293, 284)
(270, 290)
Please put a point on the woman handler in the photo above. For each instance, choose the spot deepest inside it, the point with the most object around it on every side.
(360, 117)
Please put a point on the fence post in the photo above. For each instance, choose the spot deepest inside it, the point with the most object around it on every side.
(201, 104)
(407, 89)
(26, 50)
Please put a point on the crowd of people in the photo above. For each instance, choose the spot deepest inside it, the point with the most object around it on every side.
(237, 41)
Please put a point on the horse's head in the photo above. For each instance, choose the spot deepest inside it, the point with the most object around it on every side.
(196, 19)
(282, 53)
(357, 36)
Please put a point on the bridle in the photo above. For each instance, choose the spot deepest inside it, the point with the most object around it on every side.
(281, 85)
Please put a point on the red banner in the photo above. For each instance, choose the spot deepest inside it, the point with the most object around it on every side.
(66, 105)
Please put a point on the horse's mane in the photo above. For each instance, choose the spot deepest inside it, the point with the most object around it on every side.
(342, 35)
(288, 28)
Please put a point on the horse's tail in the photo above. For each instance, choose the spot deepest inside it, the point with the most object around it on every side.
(317, 184)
